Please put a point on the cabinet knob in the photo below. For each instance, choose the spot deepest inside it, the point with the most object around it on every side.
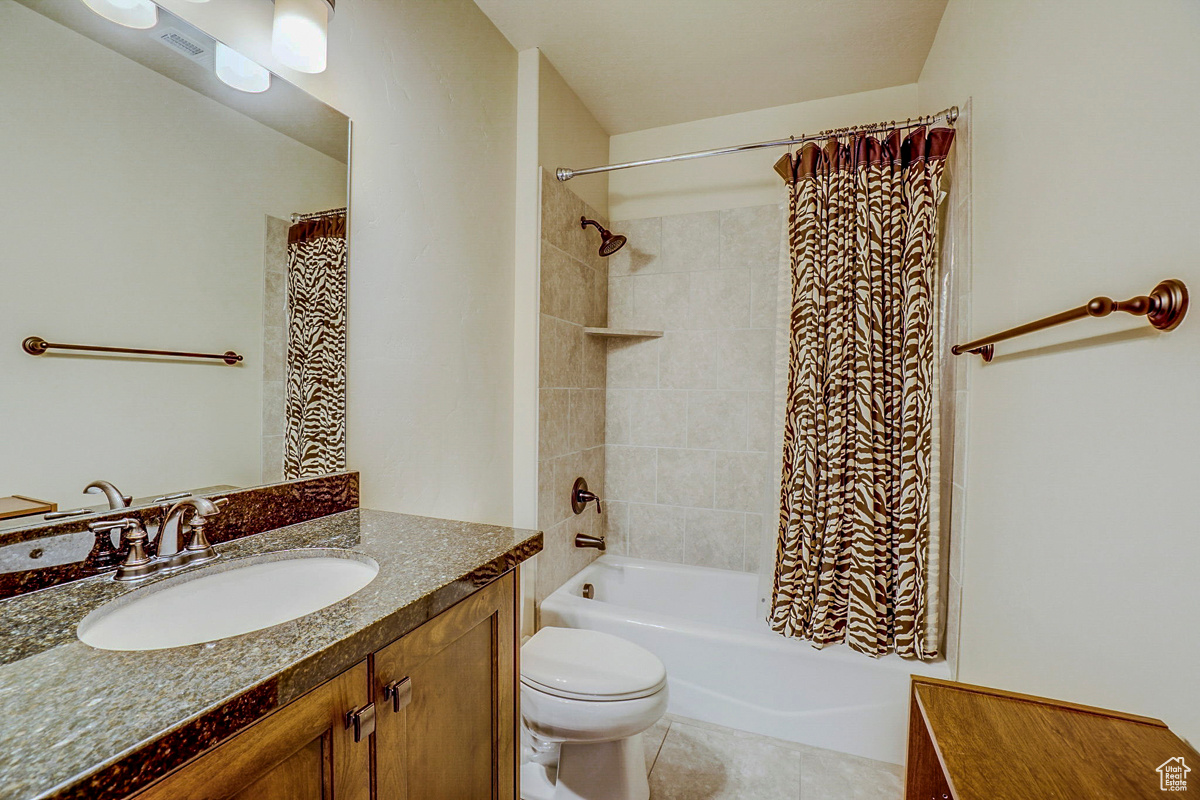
(400, 693)
(362, 720)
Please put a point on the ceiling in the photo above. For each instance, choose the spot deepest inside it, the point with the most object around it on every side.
(640, 64)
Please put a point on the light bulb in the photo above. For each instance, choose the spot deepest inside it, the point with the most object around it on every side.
(299, 34)
(241, 73)
(130, 13)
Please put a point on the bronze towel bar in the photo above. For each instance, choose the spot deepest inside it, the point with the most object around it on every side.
(36, 346)
(1164, 307)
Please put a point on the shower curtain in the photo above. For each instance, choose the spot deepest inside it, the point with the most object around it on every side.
(857, 508)
(315, 436)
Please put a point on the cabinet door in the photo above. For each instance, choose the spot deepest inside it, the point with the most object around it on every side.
(303, 751)
(454, 734)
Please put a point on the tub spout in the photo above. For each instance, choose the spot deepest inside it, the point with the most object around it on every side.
(585, 540)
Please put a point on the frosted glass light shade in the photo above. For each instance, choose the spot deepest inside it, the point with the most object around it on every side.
(241, 73)
(300, 33)
(130, 13)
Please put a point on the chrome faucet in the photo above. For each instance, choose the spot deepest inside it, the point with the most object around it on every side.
(139, 562)
(115, 498)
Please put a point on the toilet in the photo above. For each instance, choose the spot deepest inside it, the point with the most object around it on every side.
(586, 697)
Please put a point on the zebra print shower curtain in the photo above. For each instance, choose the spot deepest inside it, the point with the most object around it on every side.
(860, 410)
(315, 440)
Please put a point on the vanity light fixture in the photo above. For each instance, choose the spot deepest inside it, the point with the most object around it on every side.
(300, 33)
(141, 14)
(235, 70)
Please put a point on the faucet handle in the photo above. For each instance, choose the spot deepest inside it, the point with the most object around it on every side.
(580, 497)
(137, 563)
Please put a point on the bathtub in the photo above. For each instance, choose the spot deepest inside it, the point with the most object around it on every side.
(725, 666)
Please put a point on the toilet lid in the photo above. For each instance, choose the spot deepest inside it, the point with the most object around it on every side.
(570, 662)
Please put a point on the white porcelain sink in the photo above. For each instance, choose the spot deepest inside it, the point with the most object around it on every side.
(227, 599)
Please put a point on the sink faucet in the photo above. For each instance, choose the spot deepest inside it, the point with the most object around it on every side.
(139, 562)
(115, 498)
(198, 547)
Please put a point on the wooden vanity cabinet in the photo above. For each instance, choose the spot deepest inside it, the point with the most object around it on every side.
(303, 751)
(445, 696)
(437, 721)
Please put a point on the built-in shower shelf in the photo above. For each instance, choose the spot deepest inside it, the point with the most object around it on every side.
(622, 333)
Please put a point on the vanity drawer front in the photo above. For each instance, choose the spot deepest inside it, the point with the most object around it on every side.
(303, 751)
(449, 730)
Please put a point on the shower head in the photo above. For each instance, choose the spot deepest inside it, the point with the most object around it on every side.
(609, 242)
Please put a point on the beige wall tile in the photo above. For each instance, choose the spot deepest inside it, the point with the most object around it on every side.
(714, 538)
(660, 301)
(717, 420)
(272, 459)
(640, 255)
(719, 299)
(685, 478)
(586, 428)
(750, 237)
(754, 542)
(560, 350)
(595, 362)
(616, 416)
(616, 527)
(633, 364)
(760, 433)
(274, 403)
(691, 242)
(274, 354)
(692, 360)
(656, 532)
(764, 288)
(553, 423)
(658, 418)
(620, 302)
(741, 481)
(631, 473)
(745, 360)
(549, 505)
(274, 299)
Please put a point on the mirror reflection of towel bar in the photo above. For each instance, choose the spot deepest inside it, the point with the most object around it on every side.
(36, 346)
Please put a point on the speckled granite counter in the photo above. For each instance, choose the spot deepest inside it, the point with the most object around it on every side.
(76, 722)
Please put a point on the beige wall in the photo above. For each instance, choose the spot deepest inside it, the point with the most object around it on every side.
(136, 215)
(569, 136)
(431, 90)
(733, 181)
(574, 295)
(1081, 553)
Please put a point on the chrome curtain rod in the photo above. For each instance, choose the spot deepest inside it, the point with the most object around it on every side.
(950, 115)
(331, 212)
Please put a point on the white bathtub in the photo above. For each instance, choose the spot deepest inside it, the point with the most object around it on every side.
(725, 666)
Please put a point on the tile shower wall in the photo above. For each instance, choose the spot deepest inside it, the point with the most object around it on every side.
(274, 348)
(688, 429)
(574, 295)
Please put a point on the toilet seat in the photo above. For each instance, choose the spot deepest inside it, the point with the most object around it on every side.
(589, 665)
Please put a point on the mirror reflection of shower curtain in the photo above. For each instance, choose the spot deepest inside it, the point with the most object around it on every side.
(860, 559)
(315, 435)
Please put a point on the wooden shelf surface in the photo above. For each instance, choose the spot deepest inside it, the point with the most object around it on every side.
(996, 745)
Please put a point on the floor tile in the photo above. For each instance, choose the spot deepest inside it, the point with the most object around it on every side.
(652, 740)
(838, 776)
(703, 763)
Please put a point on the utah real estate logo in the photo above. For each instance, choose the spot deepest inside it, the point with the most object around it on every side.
(1172, 775)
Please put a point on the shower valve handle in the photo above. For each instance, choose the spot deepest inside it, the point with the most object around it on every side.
(580, 497)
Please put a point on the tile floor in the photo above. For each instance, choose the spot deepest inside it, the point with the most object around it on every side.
(700, 761)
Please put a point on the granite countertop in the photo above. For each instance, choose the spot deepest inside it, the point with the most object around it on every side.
(85, 723)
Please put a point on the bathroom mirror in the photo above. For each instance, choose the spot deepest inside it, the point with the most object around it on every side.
(149, 205)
